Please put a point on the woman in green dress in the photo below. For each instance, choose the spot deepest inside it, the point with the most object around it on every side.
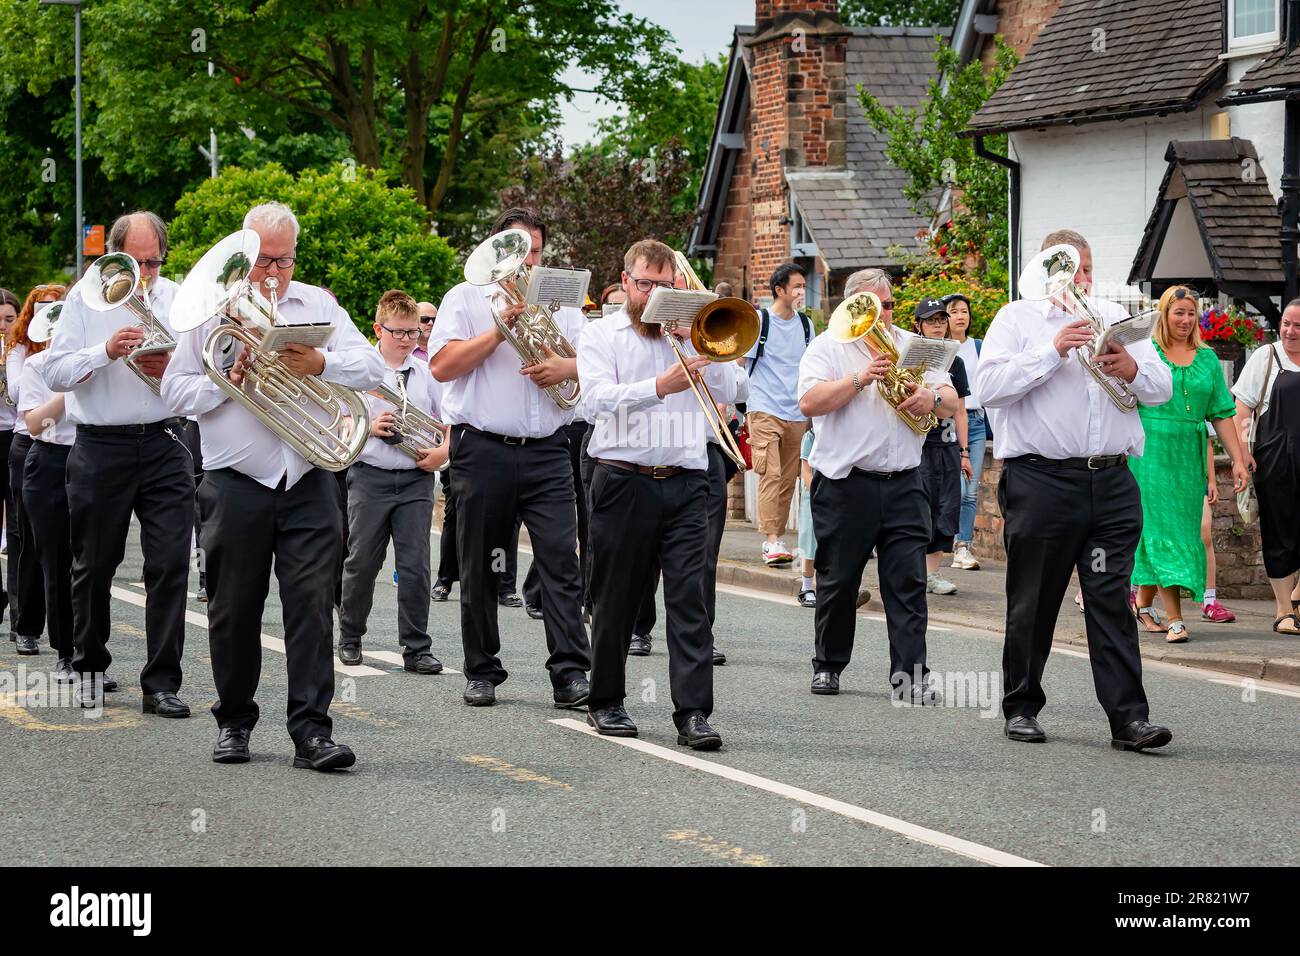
(1172, 471)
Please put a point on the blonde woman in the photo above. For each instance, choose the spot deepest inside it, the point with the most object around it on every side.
(1172, 472)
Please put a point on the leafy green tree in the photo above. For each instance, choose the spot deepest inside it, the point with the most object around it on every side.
(925, 144)
(899, 13)
(359, 236)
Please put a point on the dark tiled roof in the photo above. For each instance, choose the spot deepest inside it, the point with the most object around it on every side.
(1277, 71)
(1233, 207)
(1158, 56)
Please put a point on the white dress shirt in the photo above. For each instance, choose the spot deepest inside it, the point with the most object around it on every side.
(494, 397)
(422, 395)
(739, 391)
(14, 362)
(618, 367)
(866, 433)
(1039, 403)
(113, 394)
(232, 436)
(33, 393)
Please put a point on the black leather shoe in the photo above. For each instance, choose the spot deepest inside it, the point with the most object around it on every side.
(572, 694)
(110, 685)
(480, 693)
(1141, 734)
(165, 704)
(1025, 729)
(510, 600)
(924, 695)
(27, 645)
(63, 673)
(88, 692)
(533, 611)
(639, 646)
(696, 733)
(719, 658)
(441, 590)
(232, 746)
(612, 721)
(826, 682)
(349, 653)
(424, 663)
(202, 595)
(321, 753)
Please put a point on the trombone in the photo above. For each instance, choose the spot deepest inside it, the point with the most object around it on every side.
(114, 280)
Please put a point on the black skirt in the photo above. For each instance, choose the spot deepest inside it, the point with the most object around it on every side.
(941, 477)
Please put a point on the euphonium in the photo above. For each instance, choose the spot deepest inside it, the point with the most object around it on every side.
(858, 319)
(1050, 274)
(500, 260)
(114, 280)
(325, 423)
(417, 432)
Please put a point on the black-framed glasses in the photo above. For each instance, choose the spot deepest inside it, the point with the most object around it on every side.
(647, 285)
(887, 305)
(400, 334)
(153, 263)
(283, 262)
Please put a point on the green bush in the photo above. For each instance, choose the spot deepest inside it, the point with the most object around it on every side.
(359, 236)
(984, 302)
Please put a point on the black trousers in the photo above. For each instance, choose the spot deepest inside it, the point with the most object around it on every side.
(26, 583)
(245, 526)
(449, 564)
(636, 519)
(109, 477)
(495, 482)
(1058, 520)
(341, 482)
(194, 445)
(575, 432)
(6, 581)
(852, 516)
(47, 510)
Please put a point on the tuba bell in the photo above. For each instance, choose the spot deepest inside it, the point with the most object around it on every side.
(41, 328)
(114, 280)
(857, 319)
(500, 260)
(325, 423)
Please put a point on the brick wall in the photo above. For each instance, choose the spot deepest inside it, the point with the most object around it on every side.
(1236, 546)
(1019, 22)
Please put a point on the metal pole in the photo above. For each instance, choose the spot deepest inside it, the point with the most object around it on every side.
(76, 28)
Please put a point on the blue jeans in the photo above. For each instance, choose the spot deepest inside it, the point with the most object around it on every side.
(977, 435)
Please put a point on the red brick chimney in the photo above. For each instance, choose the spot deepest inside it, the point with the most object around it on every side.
(797, 117)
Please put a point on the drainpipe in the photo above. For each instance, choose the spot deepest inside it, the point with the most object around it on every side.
(1290, 201)
(1013, 212)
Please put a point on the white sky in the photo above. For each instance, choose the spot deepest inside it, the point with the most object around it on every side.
(701, 27)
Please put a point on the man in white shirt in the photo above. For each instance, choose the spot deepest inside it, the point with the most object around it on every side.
(1068, 499)
(867, 495)
(649, 499)
(128, 457)
(390, 497)
(510, 458)
(261, 502)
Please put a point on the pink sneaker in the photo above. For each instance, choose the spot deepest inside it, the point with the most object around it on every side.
(1216, 613)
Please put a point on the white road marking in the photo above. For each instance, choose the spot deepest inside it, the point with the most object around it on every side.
(1266, 686)
(911, 831)
(269, 642)
(392, 657)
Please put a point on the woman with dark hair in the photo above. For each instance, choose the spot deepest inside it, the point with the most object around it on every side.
(26, 582)
(10, 305)
(977, 433)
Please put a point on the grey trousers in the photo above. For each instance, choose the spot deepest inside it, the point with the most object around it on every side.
(384, 504)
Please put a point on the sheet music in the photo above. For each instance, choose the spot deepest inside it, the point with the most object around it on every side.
(153, 349)
(1127, 331)
(314, 334)
(558, 288)
(609, 308)
(935, 355)
(675, 306)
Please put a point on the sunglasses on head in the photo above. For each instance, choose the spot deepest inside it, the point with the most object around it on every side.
(1184, 293)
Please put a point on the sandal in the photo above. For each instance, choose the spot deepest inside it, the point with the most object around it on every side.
(1288, 630)
(1151, 613)
(1177, 633)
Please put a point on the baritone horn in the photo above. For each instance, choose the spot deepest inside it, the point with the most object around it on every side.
(323, 422)
(501, 260)
(414, 431)
(114, 280)
(858, 319)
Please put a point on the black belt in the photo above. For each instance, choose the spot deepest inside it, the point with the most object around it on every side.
(147, 429)
(885, 475)
(1091, 463)
(511, 439)
(654, 471)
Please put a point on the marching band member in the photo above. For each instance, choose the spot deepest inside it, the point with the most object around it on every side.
(510, 455)
(1068, 499)
(867, 494)
(261, 501)
(390, 496)
(10, 306)
(45, 502)
(649, 499)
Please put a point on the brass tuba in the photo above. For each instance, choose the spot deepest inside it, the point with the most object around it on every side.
(1050, 274)
(114, 280)
(857, 319)
(500, 260)
(325, 423)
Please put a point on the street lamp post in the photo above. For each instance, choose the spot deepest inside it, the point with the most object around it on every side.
(76, 35)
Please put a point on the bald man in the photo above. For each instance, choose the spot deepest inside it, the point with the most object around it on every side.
(428, 312)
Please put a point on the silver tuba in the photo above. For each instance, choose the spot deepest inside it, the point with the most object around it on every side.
(325, 423)
(41, 328)
(1050, 274)
(413, 431)
(114, 280)
(500, 260)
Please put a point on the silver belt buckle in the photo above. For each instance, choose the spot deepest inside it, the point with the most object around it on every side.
(1097, 458)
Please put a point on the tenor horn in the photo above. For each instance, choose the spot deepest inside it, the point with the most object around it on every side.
(115, 280)
(858, 319)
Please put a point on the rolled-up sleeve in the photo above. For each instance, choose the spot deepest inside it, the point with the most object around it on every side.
(453, 322)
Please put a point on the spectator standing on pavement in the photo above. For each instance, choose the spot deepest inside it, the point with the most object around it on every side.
(977, 434)
(1211, 610)
(776, 426)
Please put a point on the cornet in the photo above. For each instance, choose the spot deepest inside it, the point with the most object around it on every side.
(114, 280)
(856, 319)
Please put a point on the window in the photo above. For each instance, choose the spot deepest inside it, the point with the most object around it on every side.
(1252, 23)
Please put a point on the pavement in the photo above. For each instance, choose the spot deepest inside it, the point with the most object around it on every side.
(1248, 647)
(800, 781)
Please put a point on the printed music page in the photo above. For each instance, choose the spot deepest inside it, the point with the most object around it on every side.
(1127, 331)
(558, 288)
(934, 355)
(675, 306)
(313, 334)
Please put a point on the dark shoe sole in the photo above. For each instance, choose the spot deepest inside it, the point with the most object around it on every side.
(620, 732)
(236, 757)
(148, 707)
(28, 651)
(571, 704)
(339, 761)
(825, 691)
(700, 743)
(439, 597)
(479, 701)
(1026, 738)
(632, 652)
(719, 659)
(1149, 741)
(416, 670)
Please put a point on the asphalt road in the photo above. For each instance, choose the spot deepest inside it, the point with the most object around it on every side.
(801, 780)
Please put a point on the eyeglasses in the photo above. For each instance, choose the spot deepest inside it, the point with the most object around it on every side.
(153, 263)
(401, 334)
(647, 285)
(887, 305)
(938, 317)
(284, 262)
(427, 320)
